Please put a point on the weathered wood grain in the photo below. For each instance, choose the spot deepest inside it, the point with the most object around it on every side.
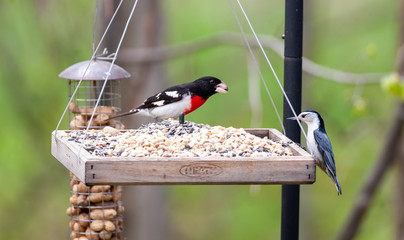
(298, 169)
(67, 154)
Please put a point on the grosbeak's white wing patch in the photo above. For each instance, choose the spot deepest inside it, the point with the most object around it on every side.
(158, 103)
(173, 94)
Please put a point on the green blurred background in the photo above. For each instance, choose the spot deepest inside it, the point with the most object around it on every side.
(38, 39)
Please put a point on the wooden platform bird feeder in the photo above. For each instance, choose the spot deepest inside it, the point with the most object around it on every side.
(296, 169)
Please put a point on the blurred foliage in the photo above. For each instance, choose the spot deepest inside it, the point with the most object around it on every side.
(40, 38)
(393, 85)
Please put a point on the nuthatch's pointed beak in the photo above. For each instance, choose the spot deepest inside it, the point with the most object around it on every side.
(293, 118)
(221, 88)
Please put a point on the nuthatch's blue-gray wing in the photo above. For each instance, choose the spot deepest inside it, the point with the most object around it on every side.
(325, 149)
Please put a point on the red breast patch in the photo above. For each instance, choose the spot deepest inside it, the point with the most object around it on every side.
(196, 102)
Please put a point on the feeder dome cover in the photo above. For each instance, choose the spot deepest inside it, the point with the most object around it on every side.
(96, 71)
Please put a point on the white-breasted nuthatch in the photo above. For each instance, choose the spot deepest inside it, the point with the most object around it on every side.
(319, 144)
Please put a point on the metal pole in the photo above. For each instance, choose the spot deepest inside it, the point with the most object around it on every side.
(293, 88)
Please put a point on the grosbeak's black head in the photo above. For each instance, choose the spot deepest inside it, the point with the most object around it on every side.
(207, 86)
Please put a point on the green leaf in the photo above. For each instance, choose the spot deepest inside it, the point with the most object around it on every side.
(393, 85)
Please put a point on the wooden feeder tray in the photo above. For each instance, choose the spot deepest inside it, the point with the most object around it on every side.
(297, 169)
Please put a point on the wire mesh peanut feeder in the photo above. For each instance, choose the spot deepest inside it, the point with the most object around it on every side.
(82, 105)
(95, 211)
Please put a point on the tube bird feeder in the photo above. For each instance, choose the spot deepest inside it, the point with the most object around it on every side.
(82, 105)
(96, 212)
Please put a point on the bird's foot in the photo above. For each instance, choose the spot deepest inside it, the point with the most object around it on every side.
(181, 118)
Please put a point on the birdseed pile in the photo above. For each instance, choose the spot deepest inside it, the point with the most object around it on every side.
(172, 139)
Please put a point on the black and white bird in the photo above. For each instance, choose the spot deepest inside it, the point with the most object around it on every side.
(179, 99)
(319, 144)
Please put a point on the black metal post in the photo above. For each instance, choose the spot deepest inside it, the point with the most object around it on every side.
(293, 88)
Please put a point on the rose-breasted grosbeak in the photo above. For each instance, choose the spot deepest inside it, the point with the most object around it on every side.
(179, 99)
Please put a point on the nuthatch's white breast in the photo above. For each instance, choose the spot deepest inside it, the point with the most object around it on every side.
(319, 144)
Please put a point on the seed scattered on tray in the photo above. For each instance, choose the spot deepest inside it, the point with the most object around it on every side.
(171, 139)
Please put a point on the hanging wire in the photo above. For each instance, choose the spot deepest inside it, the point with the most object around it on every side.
(269, 63)
(86, 69)
(254, 93)
(256, 64)
(95, 23)
(108, 74)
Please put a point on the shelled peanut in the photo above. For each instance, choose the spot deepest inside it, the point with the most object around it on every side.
(101, 117)
(95, 211)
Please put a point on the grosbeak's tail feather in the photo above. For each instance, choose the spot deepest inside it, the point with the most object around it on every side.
(183, 98)
(133, 111)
